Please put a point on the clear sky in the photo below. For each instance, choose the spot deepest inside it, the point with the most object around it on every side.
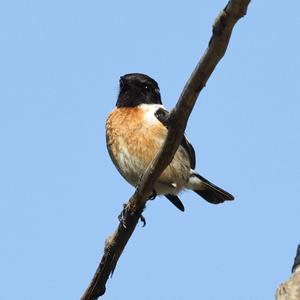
(60, 194)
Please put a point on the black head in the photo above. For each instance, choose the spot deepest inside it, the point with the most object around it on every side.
(138, 89)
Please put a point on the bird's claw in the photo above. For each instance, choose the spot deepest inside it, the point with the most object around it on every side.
(143, 220)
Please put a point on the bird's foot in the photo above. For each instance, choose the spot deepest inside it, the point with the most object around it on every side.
(123, 215)
(153, 195)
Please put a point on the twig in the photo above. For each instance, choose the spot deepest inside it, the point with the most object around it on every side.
(114, 245)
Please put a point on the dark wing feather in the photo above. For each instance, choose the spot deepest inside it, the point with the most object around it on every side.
(190, 151)
(176, 201)
(162, 115)
(297, 259)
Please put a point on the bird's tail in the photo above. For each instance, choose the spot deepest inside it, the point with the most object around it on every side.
(207, 190)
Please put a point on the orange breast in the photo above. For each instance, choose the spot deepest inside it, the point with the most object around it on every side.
(127, 129)
(134, 136)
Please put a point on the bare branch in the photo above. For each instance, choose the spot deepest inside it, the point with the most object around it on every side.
(177, 121)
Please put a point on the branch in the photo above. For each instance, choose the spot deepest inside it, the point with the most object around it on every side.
(177, 121)
(290, 289)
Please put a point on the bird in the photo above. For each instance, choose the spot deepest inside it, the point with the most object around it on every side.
(135, 131)
(290, 290)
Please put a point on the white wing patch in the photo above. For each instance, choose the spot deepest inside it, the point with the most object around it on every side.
(149, 112)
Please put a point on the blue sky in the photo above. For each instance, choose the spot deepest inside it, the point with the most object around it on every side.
(60, 194)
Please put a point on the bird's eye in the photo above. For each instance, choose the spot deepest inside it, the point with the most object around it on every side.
(147, 87)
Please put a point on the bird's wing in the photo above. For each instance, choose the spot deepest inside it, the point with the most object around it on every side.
(162, 115)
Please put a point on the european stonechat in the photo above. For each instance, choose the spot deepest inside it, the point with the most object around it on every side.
(135, 131)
